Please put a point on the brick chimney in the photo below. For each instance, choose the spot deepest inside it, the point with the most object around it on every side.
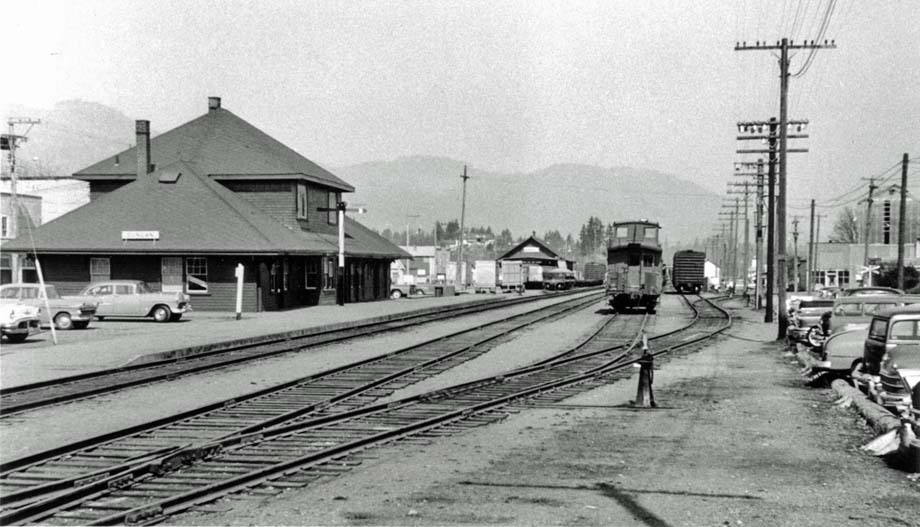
(142, 129)
(213, 103)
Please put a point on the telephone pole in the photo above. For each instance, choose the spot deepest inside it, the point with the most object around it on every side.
(817, 243)
(459, 281)
(745, 258)
(795, 253)
(810, 278)
(868, 280)
(783, 46)
(11, 143)
(902, 222)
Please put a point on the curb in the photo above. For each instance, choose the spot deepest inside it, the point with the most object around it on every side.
(880, 419)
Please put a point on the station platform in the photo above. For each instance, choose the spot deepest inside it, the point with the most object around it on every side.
(118, 342)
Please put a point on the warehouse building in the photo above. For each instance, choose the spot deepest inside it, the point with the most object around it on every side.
(182, 210)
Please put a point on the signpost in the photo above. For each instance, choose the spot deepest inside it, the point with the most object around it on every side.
(341, 208)
(238, 272)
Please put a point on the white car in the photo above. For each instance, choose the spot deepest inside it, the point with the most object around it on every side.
(18, 321)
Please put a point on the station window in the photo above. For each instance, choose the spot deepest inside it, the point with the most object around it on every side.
(100, 269)
(4, 226)
(301, 201)
(27, 271)
(648, 260)
(6, 269)
(312, 273)
(332, 202)
(196, 275)
(622, 232)
(651, 233)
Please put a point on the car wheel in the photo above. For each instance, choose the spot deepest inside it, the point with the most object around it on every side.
(396, 294)
(63, 321)
(81, 324)
(18, 337)
(161, 314)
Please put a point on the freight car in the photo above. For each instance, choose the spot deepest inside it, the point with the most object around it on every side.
(594, 272)
(688, 274)
(634, 273)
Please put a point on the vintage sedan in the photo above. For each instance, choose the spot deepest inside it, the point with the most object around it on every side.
(805, 322)
(134, 298)
(892, 353)
(18, 321)
(66, 313)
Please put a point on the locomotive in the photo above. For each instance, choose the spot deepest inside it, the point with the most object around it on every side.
(634, 270)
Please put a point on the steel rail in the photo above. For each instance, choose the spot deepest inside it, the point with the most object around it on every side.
(31, 396)
(94, 449)
(151, 512)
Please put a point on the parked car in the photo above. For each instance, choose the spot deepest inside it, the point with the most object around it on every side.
(870, 290)
(134, 298)
(892, 353)
(66, 313)
(805, 322)
(844, 351)
(18, 321)
(856, 311)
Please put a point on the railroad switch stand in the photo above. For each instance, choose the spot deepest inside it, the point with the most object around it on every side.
(645, 398)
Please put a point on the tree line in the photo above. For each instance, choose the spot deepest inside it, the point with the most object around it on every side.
(589, 245)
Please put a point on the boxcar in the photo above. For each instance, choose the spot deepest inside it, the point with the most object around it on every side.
(634, 274)
(688, 274)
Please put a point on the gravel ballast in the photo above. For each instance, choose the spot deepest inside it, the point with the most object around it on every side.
(738, 440)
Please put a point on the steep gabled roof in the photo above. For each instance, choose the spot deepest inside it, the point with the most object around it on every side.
(221, 145)
(192, 215)
(540, 250)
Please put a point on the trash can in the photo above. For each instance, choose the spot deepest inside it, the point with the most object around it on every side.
(438, 290)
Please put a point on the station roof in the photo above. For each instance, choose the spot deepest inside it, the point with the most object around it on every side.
(531, 248)
(222, 146)
(190, 214)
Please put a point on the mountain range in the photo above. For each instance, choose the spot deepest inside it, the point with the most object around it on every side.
(419, 190)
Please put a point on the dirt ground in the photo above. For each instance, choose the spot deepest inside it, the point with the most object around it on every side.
(738, 440)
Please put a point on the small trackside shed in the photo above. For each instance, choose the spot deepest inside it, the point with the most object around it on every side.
(535, 252)
(204, 197)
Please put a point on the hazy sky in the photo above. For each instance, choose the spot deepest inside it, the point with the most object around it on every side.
(510, 86)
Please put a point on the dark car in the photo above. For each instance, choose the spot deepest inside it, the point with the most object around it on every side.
(806, 319)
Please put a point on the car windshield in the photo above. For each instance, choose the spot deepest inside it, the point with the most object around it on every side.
(9, 292)
(51, 292)
(904, 330)
(142, 287)
(848, 309)
(878, 328)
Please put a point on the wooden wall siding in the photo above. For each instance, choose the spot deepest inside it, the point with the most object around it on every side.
(222, 297)
(275, 198)
(98, 188)
(68, 273)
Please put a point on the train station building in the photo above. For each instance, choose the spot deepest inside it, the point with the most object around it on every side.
(183, 209)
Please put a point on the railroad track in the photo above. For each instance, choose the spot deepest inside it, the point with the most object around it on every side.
(331, 442)
(350, 386)
(26, 397)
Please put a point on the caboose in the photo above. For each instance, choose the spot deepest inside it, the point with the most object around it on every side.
(634, 274)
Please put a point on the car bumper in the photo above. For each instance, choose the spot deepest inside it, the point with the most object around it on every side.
(20, 327)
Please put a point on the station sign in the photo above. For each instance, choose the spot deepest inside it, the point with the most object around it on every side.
(140, 235)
